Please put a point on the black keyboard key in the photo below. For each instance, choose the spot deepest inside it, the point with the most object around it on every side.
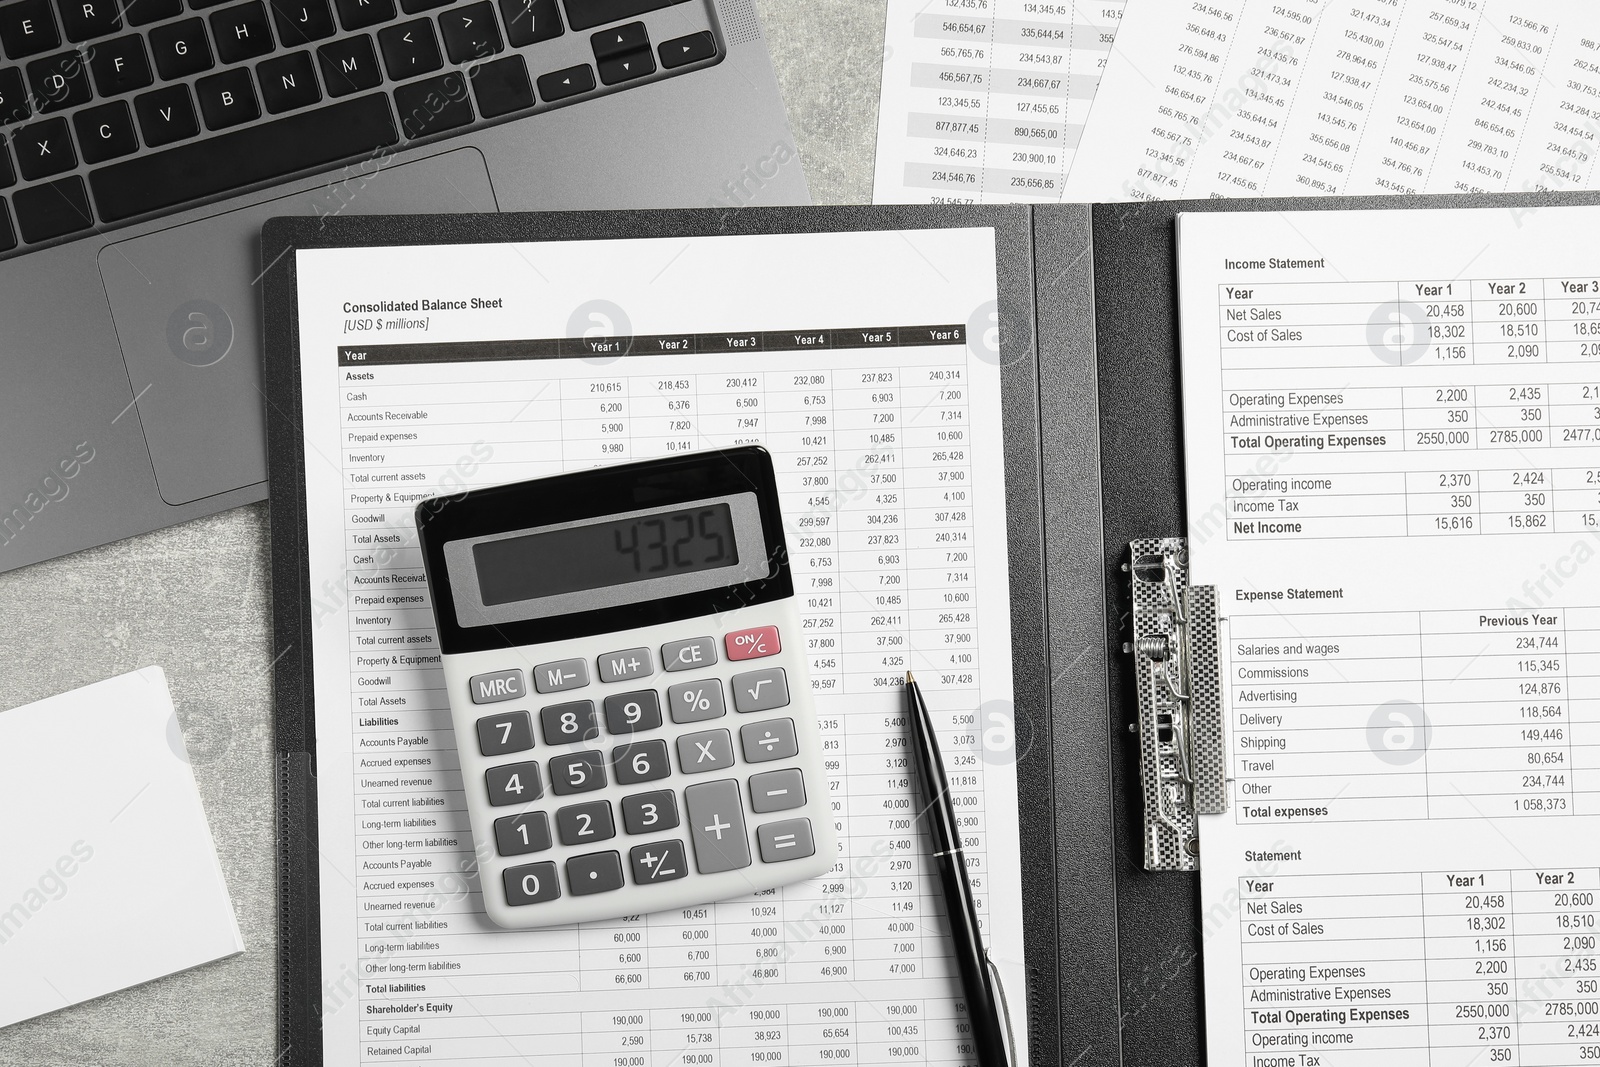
(8, 237)
(584, 14)
(28, 28)
(681, 51)
(105, 132)
(410, 49)
(302, 21)
(254, 154)
(13, 97)
(433, 105)
(626, 67)
(288, 82)
(8, 177)
(560, 84)
(181, 49)
(349, 66)
(411, 7)
(144, 12)
(119, 66)
(502, 87)
(43, 149)
(359, 14)
(201, 5)
(470, 33)
(166, 115)
(241, 32)
(619, 39)
(54, 210)
(59, 82)
(530, 21)
(85, 19)
(227, 99)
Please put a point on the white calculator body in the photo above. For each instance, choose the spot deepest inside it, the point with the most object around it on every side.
(632, 710)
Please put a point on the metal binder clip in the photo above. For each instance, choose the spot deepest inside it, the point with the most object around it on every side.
(1175, 654)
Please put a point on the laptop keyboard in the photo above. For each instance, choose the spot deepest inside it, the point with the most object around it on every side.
(112, 110)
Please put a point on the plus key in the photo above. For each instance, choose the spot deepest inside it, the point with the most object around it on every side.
(753, 643)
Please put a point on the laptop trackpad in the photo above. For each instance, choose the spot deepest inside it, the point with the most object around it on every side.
(188, 315)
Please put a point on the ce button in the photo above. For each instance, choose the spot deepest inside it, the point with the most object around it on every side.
(687, 655)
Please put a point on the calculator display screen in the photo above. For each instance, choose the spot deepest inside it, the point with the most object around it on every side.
(609, 552)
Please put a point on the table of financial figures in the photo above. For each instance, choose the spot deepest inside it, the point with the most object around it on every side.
(874, 471)
(1314, 436)
(1465, 968)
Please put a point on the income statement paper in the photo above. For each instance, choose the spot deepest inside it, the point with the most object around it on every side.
(1304, 97)
(1392, 432)
(983, 101)
(844, 354)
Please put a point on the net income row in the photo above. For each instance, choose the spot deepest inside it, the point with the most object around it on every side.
(1369, 526)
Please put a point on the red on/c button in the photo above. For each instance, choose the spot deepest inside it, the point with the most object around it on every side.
(753, 644)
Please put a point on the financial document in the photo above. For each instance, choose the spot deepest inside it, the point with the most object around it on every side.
(1301, 97)
(1392, 433)
(848, 357)
(983, 101)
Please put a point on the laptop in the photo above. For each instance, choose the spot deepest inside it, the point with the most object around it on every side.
(143, 142)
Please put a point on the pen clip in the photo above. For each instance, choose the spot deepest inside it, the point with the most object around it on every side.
(1005, 1006)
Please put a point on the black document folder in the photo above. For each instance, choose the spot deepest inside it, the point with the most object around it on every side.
(1088, 345)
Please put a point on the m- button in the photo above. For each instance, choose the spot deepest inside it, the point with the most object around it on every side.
(687, 655)
(753, 643)
(562, 674)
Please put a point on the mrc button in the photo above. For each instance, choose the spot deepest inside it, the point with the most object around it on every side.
(500, 685)
(753, 643)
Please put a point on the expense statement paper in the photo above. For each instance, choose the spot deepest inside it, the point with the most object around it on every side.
(846, 355)
(1392, 431)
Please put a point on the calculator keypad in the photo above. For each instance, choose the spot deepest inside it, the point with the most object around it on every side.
(679, 829)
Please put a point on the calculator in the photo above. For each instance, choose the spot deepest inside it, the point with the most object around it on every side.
(624, 668)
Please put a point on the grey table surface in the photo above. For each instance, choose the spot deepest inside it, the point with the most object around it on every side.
(195, 599)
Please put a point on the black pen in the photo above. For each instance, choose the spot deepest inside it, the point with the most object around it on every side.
(983, 1013)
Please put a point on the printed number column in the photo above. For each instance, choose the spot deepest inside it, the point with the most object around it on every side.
(1333, 970)
(949, 98)
(1495, 683)
(1558, 1017)
(594, 421)
(1471, 1001)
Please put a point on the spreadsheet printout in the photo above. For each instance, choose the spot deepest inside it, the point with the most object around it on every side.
(1392, 438)
(859, 361)
(983, 101)
(1219, 98)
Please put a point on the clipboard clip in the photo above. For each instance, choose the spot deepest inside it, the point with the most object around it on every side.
(1175, 646)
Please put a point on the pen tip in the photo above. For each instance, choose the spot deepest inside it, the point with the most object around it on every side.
(910, 680)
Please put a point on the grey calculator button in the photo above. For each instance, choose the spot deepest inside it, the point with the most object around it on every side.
(598, 872)
(569, 722)
(560, 675)
(513, 783)
(770, 740)
(499, 685)
(760, 690)
(716, 824)
(696, 701)
(687, 655)
(532, 883)
(579, 824)
(628, 713)
(786, 840)
(777, 790)
(510, 732)
(708, 750)
(659, 861)
(645, 813)
(577, 772)
(629, 663)
(642, 761)
(515, 835)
